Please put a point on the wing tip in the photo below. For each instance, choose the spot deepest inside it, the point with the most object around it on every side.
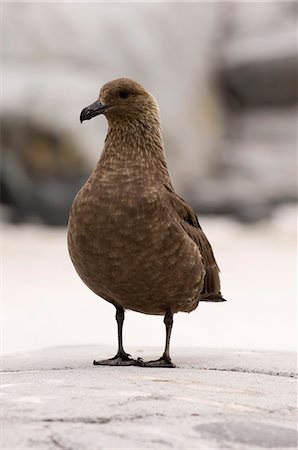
(214, 299)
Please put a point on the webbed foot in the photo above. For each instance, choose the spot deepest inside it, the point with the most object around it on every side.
(161, 362)
(121, 359)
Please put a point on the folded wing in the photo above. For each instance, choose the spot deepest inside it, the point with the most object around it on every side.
(189, 221)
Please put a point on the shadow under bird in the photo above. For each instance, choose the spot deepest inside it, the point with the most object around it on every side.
(131, 238)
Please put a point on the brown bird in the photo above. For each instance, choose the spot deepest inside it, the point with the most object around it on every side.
(131, 238)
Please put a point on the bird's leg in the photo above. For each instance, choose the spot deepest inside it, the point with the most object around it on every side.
(165, 360)
(121, 358)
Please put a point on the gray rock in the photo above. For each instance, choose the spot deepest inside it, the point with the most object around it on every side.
(214, 399)
(41, 170)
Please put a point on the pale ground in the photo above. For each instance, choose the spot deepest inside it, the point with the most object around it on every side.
(45, 303)
(240, 400)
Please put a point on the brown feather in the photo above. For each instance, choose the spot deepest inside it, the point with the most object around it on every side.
(190, 223)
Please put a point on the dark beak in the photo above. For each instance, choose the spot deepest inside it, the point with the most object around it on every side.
(92, 110)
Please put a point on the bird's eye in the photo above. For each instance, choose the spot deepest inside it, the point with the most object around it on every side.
(124, 94)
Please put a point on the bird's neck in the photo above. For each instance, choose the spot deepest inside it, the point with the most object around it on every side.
(134, 151)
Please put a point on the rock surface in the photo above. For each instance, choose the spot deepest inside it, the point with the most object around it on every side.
(56, 399)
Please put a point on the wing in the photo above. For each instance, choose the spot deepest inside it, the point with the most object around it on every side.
(189, 221)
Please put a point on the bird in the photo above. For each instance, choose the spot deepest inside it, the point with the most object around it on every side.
(132, 240)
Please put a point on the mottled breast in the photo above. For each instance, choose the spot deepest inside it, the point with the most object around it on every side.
(129, 248)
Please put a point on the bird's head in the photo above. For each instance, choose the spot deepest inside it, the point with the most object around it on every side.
(122, 99)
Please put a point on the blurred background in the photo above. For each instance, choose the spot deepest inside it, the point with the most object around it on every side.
(225, 77)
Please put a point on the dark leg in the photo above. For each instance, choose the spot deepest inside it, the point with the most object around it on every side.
(165, 360)
(121, 358)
